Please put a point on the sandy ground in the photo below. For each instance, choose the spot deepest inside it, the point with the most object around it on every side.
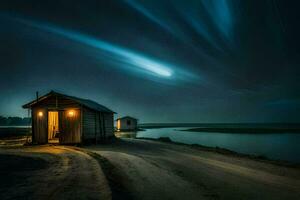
(140, 169)
(156, 170)
(50, 172)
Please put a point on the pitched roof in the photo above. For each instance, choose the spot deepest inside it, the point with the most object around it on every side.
(126, 117)
(85, 102)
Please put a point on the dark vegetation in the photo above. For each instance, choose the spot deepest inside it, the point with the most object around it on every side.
(9, 127)
(11, 132)
(14, 121)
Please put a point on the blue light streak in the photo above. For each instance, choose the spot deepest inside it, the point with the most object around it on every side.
(221, 15)
(125, 55)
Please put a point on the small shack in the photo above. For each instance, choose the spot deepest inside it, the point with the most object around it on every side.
(69, 119)
(126, 123)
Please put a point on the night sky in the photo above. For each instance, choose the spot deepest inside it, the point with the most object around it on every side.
(159, 61)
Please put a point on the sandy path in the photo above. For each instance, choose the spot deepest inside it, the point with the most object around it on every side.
(155, 170)
(140, 169)
(70, 174)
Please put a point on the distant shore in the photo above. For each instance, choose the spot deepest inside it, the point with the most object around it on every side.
(225, 126)
(244, 130)
(225, 152)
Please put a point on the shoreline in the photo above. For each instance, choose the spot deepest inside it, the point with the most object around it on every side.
(225, 151)
(157, 168)
(244, 130)
(9, 138)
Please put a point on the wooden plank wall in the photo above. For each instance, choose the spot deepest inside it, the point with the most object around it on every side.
(97, 125)
(89, 124)
(39, 126)
(109, 124)
(100, 133)
(70, 130)
(125, 126)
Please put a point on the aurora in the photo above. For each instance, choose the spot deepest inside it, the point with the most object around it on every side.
(121, 54)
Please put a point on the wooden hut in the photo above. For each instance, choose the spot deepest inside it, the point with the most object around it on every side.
(126, 123)
(70, 119)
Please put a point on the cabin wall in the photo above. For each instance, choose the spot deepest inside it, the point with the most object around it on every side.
(89, 124)
(86, 124)
(125, 126)
(70, 127)
(109, 124)
(39, 125)
(97, 125)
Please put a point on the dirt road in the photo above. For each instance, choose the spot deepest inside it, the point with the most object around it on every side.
(155, 170)
(140, 169)
(50, 172)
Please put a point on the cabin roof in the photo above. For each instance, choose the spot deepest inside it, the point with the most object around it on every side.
(127, 117)
(85, 102)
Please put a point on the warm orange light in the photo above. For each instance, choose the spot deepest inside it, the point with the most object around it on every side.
(118, 124)
(71, 113)
(40, 114)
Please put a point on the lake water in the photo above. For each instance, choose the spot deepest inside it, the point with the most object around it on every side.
(275, 146)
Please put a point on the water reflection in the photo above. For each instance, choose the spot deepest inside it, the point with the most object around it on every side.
(121, 134)
(275, 146)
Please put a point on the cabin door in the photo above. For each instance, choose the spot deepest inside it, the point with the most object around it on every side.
(53, 126)
(69, 131)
